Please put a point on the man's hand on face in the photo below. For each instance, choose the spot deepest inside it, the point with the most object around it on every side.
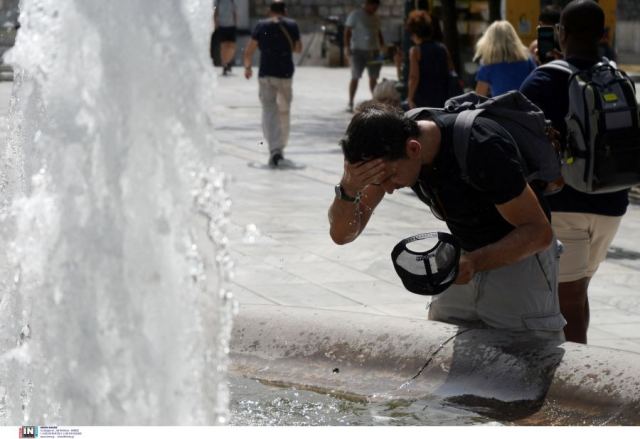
(359, 175)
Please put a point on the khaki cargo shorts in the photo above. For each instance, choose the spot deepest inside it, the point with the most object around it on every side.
(585, 238)
(519, 297)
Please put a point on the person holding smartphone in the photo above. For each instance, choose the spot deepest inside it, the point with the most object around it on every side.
(585, 223)
(550, 50)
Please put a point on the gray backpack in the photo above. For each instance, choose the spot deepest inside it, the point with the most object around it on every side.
(602, 152)
(524, 123)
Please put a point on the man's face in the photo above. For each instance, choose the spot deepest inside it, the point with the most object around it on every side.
(561, 35)
(371, 8)
(399, 173)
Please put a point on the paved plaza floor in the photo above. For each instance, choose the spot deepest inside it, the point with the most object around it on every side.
(279, 229)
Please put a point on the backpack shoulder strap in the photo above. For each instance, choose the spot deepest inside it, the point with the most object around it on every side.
(461, 135)
(286, 34)
(561, 65)
(420, 113)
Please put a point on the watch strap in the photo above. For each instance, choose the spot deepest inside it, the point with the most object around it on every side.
(341, 194)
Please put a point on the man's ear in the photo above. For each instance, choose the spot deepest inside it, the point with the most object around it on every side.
(413, 148)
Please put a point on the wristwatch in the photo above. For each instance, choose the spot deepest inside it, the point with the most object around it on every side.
(342, 195)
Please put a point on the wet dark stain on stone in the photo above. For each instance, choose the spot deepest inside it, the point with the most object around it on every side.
(621, 253)
(497, 409)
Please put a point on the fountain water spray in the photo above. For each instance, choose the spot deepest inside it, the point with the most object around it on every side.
(113, 261)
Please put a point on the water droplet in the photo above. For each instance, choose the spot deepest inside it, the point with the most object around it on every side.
(251, 234)
(25, 332)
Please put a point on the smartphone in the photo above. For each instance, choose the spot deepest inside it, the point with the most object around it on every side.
(546, 42)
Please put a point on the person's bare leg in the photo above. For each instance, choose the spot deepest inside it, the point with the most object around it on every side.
(574, 305)
(372, 84)
(353, 86)
(227, 51)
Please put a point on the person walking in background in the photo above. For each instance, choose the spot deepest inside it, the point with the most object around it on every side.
(504, 61)
(224, 20)
(429, 64)
(277, 37)
(549, 16)
(363, 41)
(585, 223)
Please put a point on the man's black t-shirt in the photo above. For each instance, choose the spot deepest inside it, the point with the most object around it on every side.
(494, 168)
(275, 47)
(548, 89)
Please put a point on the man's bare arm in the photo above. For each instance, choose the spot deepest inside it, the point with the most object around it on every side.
(252, 45)
(347, 40)
(348, 219)
(297, 46)
(531, 235)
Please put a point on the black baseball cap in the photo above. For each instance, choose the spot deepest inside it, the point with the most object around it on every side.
(429, 272)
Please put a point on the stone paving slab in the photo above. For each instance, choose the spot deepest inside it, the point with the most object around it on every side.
(301, 266)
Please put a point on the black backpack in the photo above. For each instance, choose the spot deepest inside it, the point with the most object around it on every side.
(525, 124)
(602, 152)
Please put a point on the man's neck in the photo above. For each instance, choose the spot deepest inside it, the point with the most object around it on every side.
(590, 54)
(430, 137)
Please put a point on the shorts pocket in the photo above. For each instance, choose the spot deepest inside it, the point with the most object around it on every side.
(547, 322)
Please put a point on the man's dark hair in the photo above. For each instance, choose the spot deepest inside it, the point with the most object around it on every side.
(583, 20)
(373, 2)
(550, 15)
(278, 7)
(377, 131)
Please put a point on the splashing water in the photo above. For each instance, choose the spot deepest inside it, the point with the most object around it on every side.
(113, 303)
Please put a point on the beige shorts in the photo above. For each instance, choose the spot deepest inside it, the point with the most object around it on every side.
(586, 238)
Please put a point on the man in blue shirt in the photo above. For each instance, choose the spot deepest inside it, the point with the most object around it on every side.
(585, 223)
(277, 37)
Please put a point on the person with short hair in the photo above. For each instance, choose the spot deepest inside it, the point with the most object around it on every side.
(225, 22)
(507, 272)
(278, 37)
(585, 223)
(363, 42)
(504, 61)
(549, 16)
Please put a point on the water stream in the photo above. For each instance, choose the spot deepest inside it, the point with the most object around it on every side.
(113, 262)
